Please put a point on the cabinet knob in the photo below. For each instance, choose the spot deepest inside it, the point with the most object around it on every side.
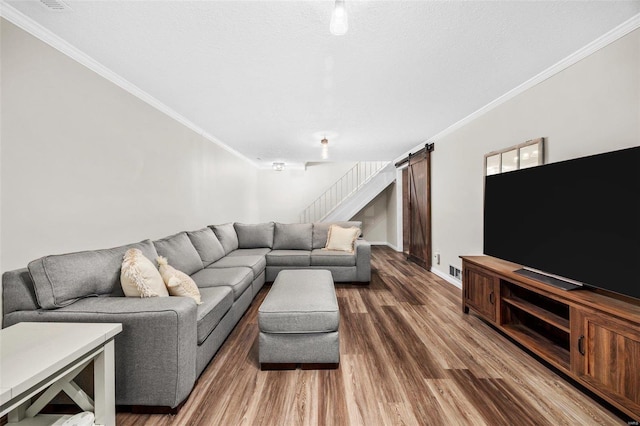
(581, 345)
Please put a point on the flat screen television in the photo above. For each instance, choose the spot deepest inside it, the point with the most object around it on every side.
(578, 220)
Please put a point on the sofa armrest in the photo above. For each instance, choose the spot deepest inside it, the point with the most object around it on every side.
(363, 260)
(156, 352)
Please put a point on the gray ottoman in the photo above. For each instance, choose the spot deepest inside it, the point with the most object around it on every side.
(298, 322)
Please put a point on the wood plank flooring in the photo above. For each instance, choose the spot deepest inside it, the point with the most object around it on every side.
(408, 357)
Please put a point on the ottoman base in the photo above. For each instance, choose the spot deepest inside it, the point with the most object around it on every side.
(308, 348)
(277, 366)
(299, 321)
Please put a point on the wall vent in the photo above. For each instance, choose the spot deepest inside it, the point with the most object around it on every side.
(55, 5)
(455, 272)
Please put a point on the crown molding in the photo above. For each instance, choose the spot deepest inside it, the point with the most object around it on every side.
(21, 20)
(615, 34)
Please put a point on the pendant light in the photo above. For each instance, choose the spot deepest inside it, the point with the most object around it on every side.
(339, 21)
(325, 148)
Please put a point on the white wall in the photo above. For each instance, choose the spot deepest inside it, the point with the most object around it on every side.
(87, 165)
(379, 218)
(282, 196)
(392, 215)
(589, 108)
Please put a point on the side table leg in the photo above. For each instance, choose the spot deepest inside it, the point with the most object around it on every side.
(105, 386)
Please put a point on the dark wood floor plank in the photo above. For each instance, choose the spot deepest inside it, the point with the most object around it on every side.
(408, 357)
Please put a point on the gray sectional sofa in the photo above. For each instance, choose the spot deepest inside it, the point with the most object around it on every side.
(167, 342)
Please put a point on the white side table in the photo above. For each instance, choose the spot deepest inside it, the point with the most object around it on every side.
(38, 355)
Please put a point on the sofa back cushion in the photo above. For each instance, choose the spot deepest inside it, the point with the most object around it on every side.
(292, 236)
(254, 236)
(180, 253)
(227, 236)
(321, 231)
(207, 245)
(60, 280)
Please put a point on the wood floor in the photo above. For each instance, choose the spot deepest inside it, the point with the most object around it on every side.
(407, 356)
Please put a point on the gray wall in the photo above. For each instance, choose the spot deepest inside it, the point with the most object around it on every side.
(379, 218)
(87, 165)
(282, 196)
(591, 107)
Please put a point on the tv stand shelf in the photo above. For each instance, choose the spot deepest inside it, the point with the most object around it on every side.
(536, 342)
(538, 312)
(592, 336)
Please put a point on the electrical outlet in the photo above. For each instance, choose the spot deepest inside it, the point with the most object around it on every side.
(436, 258)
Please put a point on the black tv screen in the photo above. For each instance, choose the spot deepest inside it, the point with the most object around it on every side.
(577, 219)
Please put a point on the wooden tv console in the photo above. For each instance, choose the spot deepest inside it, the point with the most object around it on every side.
(590, 335)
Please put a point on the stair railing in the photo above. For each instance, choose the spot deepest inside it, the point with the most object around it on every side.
(342, 189)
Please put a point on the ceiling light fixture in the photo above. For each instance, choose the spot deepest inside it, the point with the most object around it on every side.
(339, 21)
(325, 148)
(278, 167)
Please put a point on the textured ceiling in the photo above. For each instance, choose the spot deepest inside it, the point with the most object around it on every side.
(268, 79)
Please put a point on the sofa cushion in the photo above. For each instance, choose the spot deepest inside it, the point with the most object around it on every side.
(254, 236)
(207, 245)
(227, 236)
(60, 280)
(178, 283)
(321, 231)
(289, 258)
(292, 236)
(216, 302)
(320, 257)
(238, 279)
(300, 301)
(139, 277)
(250, 252)
(256, 263)
(180, 253)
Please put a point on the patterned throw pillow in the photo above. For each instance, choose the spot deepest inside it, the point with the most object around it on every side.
(342, 239)
(139, 277)
(178, 283)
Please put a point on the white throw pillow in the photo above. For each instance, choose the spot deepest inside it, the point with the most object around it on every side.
(342, 239)
(139, 277)
(178, 283)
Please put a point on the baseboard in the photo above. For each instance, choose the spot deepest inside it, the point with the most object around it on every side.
(384, 243)
(447, 278)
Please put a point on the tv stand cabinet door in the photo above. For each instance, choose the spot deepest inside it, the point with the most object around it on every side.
(605, 354)
(480, 292)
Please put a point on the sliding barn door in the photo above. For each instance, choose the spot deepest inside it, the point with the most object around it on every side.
(406, 227)
(419, 208)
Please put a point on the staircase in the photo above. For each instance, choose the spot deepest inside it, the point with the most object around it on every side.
(351, 193)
